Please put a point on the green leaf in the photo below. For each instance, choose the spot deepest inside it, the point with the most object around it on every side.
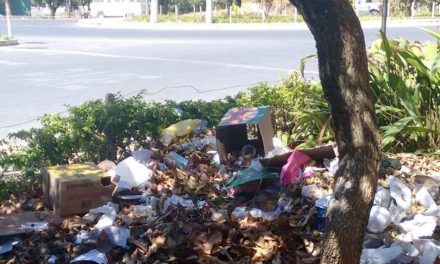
(433, 33)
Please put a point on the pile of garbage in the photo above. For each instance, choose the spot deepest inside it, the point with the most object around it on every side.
(185, 200)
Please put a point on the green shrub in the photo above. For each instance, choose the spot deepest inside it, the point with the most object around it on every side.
(95, 130)
(405, 80)
(298, 107)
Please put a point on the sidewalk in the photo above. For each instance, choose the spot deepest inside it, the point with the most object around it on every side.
(119, 23)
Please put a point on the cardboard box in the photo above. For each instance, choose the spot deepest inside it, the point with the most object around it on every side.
(244, 126)
(75, 189)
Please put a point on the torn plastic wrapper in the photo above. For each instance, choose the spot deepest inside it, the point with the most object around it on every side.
(93, 256)
(108, 217)
(176, 200)
(279, 149)
(117, 235)
(242, 212)
(249, 175)
(84, 237)
(144, 211)
(7, 246)
(332, 165)
(177, 159)
(179, 129)
(52, 260)
(292, 169)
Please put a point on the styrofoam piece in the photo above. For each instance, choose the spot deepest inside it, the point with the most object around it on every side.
(379, 219)
(380, 255)
(177, 200)
(93, 255)
(397, 213)
(382, 197)
(400, 192)
(133, 173)
(424, 198)
(420, 226)
(142, 155)
(429, 250)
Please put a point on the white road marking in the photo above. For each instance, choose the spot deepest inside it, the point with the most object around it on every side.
(11, 63)
(77, 78)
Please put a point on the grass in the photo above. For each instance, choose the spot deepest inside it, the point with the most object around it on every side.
(4, 38)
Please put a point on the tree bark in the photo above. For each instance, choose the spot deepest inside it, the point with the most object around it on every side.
(53, 10)
(343, 71)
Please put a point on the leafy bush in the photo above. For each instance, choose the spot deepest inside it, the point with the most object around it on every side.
(298, 107)
(96, 130)
(405, 79)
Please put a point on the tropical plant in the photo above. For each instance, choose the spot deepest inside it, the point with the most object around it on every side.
(405, 79)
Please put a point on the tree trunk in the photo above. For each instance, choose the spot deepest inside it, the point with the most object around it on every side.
(53, 10)
(343, 71)
(409, 7)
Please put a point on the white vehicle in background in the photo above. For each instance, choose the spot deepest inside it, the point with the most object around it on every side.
(117, 8)
(368, 7)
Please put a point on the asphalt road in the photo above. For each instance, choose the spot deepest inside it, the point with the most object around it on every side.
(60, 62)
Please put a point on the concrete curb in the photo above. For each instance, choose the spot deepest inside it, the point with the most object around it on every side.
(9, 42)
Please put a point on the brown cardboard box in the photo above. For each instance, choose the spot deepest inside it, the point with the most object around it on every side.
(75, 189)
(233, 131)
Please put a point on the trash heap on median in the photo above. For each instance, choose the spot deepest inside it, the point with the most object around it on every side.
(235, 194)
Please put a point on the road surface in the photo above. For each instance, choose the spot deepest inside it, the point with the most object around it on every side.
(62, 62)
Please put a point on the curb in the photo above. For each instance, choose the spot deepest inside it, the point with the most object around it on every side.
(10, 42)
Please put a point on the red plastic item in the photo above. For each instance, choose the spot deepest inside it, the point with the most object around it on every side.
(291, 170)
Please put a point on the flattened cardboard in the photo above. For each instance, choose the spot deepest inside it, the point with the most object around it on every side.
(75, 189)
(232, 131)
